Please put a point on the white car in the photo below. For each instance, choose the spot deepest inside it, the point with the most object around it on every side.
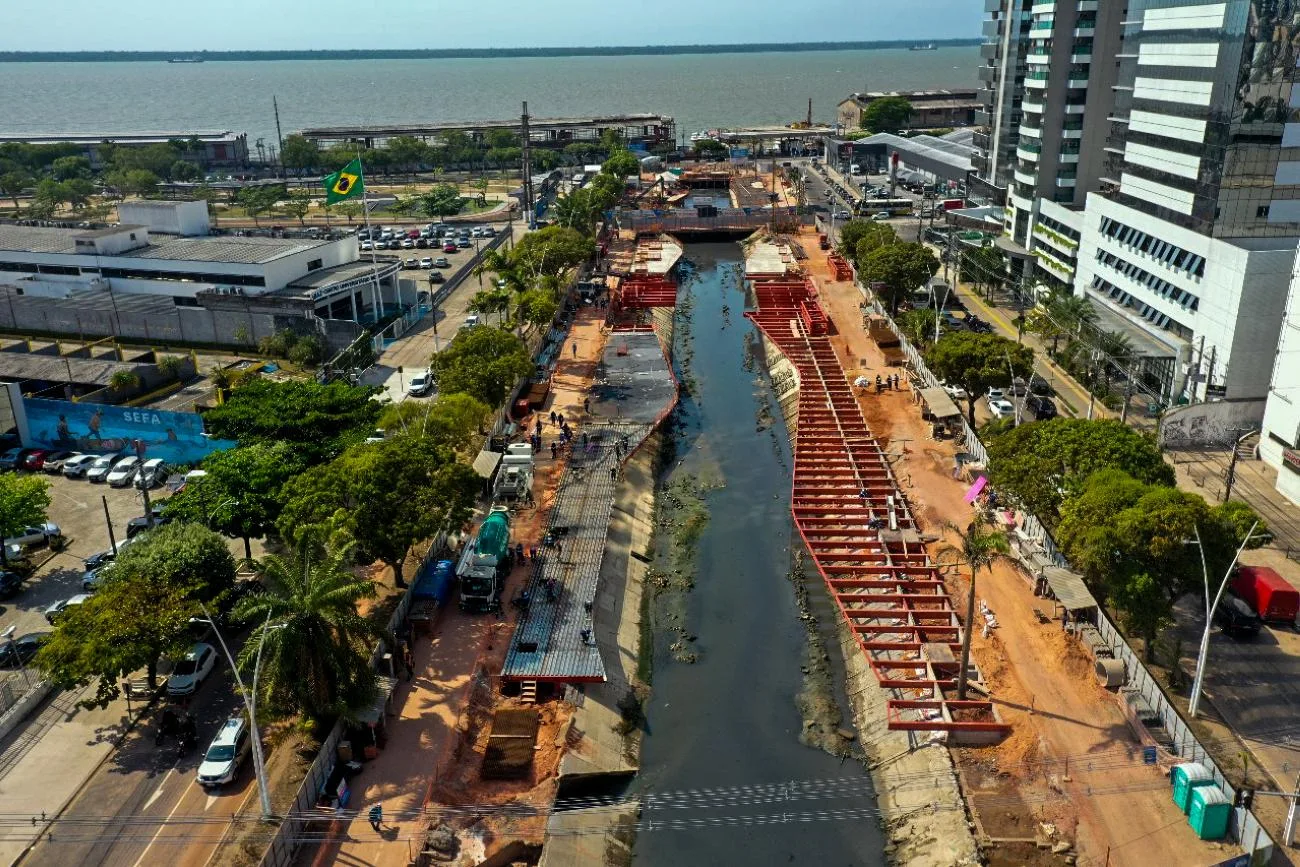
(227, 752)
(75, 467)
(366, 246)
(192, 670)
(53, 612)
(471, 322)
(880, 216)
(123, 472)
(41, 535)
(420, 385)
(153, 473)
(100, 468)
(996, 394)
(427, 263)
(956, 392)
(1001, 408)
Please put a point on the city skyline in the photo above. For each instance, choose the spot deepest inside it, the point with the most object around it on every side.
(150, 25)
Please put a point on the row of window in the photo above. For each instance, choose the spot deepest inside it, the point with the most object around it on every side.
(1058, 227)
(1146, 311)
(1162, 251)
(138, 274)
(1163, 288)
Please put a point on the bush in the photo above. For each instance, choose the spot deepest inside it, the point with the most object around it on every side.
(307, 352)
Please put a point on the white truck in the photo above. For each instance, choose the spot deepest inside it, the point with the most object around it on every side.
(515, 477)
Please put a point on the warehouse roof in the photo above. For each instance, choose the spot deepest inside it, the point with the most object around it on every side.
(213, 248)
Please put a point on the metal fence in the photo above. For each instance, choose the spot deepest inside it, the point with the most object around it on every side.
(1244, 825)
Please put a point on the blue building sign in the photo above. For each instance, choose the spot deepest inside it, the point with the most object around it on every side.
(176, 437)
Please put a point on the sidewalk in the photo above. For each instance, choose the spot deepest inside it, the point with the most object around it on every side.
(45, 762)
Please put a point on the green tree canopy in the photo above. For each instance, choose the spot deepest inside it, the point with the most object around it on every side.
(443, 200)
(319, 420)
(299, 153)
(240, 495)
(621, 163)
(1130, 540)
(900, 268)
(142, 610)
(298, 205)
(709, 149)
(67, 168)
(1042, 464)
(24, 502)
(387, 495)
(551, 251)
(978, 362)
(887, 114)
(483, 363)
(13, 183)
(315, 658)
(918, 325)
(450, 421)
(854, 231)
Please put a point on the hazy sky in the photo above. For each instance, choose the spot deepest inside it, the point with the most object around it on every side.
(127, 25)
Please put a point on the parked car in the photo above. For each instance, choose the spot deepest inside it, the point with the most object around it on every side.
(442, 262)
(153, 473)
(420, 385)
(9, 460)
(422, 242)
(228, 750)
(19, 651)
(34, 459)
(408, 244)
(1041, 408)
(378, 435)
(996, 394)
(40, 534)
(56, 610)
(192, 670)
(450, 247)
(471, 321)
(1001, 408)
(124, 472)
(75, 467)
(137, 525)
(1039, 386)
(956, 392)
(54, 461)
(880, 216)
(436, 277)
(366, 246)
(10, 584)
(100, 468)
(1236, 619)
(427, 263)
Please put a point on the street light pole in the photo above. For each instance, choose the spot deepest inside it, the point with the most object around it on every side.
(250, 704)
(1210, 608)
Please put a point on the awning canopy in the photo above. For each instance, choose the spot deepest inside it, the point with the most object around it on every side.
(485, 463)
(383, 691)
(1068, 588)
(939, 402)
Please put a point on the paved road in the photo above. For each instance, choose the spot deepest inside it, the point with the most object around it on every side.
(143, 807)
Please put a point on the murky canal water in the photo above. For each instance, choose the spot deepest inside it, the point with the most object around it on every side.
(729, 718)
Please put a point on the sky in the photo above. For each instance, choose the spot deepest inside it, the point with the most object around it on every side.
(167, 25)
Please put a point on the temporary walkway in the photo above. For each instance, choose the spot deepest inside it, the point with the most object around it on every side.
(553, 641)
(860, 531)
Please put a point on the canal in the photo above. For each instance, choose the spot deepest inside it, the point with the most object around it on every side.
(723, 722)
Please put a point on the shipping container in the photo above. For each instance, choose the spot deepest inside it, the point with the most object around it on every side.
(1185, 778)
(1209, 813)
(1268, 593)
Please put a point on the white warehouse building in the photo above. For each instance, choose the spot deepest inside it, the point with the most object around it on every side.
(160, 274)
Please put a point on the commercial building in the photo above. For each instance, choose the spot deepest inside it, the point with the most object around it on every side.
(161, 275)
(205, 148)
(1279, 439)
(1001, 73)
(1192, 234)
(942, 158)
(640, 131)
(931, 109)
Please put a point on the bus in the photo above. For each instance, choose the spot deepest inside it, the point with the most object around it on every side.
(894, 207)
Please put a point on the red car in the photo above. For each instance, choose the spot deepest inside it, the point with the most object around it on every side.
(450, 247)
(413, 234)
(35, 460)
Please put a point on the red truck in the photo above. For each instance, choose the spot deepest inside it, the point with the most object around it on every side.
(1272, 597)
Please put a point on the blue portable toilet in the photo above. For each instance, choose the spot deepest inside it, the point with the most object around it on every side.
(1209, 813)
(1185, 778)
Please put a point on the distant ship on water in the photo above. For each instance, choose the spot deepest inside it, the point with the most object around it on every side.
(929, 46)
(185, 60)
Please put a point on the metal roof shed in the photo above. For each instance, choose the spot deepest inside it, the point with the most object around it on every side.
(1069, 589)
(939, 402)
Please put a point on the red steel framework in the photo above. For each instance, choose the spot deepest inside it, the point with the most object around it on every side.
(860, 531)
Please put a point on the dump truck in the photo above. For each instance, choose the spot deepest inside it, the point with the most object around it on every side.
(1268, 593)
(484, 563)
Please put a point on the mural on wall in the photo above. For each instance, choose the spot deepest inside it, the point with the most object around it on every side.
(1214, 425)
(176, 437)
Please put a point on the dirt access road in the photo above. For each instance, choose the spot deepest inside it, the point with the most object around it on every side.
(1105, 798)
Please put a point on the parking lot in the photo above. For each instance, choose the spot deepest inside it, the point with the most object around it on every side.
(433, 263)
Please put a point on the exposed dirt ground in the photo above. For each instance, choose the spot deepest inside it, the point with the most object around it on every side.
(1039, 677)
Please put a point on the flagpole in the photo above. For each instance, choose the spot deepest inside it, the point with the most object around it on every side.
(365, 213)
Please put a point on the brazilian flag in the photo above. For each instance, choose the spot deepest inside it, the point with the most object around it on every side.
(345, 183)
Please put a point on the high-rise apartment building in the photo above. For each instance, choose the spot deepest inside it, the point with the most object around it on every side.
(1001, 75)
(1189, 244)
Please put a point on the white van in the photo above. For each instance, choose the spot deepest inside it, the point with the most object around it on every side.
(855, 169)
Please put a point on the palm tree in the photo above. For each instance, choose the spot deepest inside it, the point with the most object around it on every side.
(315, 656)
(977, 548)
(1072, 312)
(1114, 348)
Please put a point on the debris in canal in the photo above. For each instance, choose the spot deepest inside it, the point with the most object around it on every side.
(823, 721)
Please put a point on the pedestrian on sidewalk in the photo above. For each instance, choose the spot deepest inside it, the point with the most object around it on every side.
(376, 816)
(575, 349)
(552, 416)
(584, 439)
(554, 451)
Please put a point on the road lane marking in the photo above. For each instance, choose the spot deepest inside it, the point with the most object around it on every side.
(157, 793)
(163, 826)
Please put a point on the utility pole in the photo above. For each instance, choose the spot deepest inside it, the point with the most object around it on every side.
(112, 543)
(1288, 832)
(279, 136)
(1128, 395)
(1210, 606)
(1232, 462)
(528, 168)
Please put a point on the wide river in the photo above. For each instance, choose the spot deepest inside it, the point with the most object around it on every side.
(700, 90)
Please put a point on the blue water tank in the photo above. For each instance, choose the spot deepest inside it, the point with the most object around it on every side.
(436, 582)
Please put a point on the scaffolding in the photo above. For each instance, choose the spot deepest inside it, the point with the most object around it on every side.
(860, 531)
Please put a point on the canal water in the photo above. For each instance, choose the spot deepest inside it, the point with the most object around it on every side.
(726, 727)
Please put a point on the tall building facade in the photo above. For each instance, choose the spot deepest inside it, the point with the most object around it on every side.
(1001, 76)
